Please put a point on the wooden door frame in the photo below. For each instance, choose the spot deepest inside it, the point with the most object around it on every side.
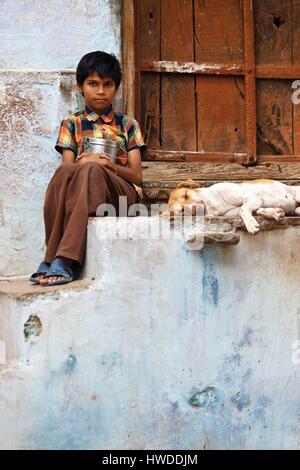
(132, 68)
(130, 59)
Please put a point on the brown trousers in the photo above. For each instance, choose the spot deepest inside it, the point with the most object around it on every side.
(73, 194)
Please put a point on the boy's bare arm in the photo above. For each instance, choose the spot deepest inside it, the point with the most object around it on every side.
(68, 156)
(133, 172)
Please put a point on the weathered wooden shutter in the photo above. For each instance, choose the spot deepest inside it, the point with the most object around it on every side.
(214, 84)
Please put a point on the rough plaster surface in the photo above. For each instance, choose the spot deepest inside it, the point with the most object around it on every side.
(36, 35)
(55, 34)
(166, 349)
(31, 108)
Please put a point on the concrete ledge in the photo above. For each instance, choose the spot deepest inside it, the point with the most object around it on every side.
(107, 235)
(21, 288)
(266, 224)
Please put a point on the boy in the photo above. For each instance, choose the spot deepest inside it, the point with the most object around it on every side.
(83, 181)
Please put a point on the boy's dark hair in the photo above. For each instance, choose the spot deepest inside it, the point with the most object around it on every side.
(104, 64)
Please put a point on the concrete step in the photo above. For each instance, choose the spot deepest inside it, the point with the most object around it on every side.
(160, 346)
(126, 241)
(25, 311)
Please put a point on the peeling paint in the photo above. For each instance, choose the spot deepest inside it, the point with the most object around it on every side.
(70, 363)
(262, 404)
(191, 67)
(210, 284)
(241, 401)
(204, 398)
(234, 359)
(32, 327)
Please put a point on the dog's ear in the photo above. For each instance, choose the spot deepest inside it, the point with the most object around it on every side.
(188, 184)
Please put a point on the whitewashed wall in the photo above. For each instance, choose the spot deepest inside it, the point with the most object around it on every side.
(41, 44)
(168, 348)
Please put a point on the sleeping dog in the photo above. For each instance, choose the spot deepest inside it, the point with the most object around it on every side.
(268, 198)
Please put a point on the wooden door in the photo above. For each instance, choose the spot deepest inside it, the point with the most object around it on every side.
(214, 88)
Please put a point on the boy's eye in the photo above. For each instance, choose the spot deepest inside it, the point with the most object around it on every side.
(106, 84)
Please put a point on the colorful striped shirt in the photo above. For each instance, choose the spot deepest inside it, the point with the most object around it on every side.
(110, 125)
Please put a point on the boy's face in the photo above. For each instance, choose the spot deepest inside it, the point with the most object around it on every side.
(98, 92)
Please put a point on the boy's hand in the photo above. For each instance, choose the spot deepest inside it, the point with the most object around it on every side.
(100, 158)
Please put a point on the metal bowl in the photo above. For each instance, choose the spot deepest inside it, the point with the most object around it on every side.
(97, 145)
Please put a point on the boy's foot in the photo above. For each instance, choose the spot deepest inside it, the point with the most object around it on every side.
(61, 271)
(41, 271)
